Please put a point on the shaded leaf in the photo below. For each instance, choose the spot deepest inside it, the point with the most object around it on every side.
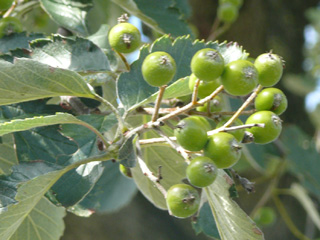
(303, 158)
(127, 152)
(70, 14)
(232, 222)
(27, 80)
(8, 156)
(111, 192)
(17, 40)
(205, 222)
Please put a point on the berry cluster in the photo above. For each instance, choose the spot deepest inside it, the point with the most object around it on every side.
(216, 147)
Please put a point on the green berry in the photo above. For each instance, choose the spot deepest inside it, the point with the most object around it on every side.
(158, 68)
(265, 216)
(239, 78)
(270, 132)
(204, 88)
(236, 3)
(216, 105)
(224, 149)
(10, 25)
(271, 99)
(124, 37)
(238, 134)
(270, 68)
(207, 64)
(191, 133)
(201, 172)
(227, 12)
(182, 200)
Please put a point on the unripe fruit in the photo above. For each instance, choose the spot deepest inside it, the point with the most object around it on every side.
(270, 68)
(158, 68)
(207, 64)
(227, 12)
(191, 133)
(124, 37)
(182, 200)
(9, 25)
(271, 99)
(5, 5)
(204, 88)
(216, 105)
(265, 216)
(238, 134)
(239, 77)
(236, 3)
(224, 149)
(201, 172)
(272, 129)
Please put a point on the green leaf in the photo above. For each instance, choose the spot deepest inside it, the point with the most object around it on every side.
(74, 54)
(205, 222)
(152, 12)
(27, 80)
(100, 38)
(17, 40)
(70, 14)
(132, 89)
(74, 185)
(18, 125)
(127, 152)
(303, 158)
(232, 222)
(8, 156)
(31, 189)
(111, 192)
(173, 169)
(45, 221)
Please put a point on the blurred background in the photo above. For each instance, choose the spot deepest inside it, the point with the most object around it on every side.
(291, 29)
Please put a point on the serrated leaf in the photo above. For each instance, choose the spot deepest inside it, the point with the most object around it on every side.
(70, 14)
(152, 12)
(8, 156)
(173, 169)
(131, 87)
(17, 40)
(45, 221)
(111, 192)
(300, 147)
(232, 222)
(77, 54)
(205, 222)
(33, 184)
(27, 80)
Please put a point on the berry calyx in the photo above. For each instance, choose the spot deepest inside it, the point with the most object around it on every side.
(201, 172)
(224, 149)
(158, 69)
(182, 200)
(207, 64)
(124, 37)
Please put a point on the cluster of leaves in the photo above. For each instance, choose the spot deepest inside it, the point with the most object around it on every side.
(53, 158)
